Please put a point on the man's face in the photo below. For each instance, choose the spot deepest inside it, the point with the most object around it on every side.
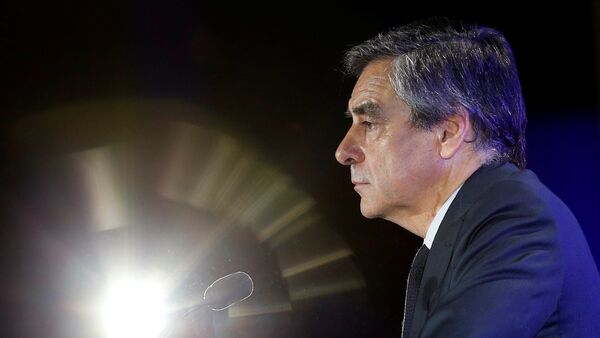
(393, 166)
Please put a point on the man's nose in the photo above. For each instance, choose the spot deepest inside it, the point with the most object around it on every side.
(349, 152)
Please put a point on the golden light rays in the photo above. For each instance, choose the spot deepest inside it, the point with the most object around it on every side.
(177, 199)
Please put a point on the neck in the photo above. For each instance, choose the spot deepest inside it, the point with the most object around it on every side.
(453, 175)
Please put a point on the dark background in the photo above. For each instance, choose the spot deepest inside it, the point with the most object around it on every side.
(270, 75)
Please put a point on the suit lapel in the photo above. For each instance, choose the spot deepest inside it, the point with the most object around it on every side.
(445, 239)
(437, 263)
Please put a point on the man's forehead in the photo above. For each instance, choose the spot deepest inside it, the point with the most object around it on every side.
(372, 86)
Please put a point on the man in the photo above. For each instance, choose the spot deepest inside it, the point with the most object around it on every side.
(437, 146)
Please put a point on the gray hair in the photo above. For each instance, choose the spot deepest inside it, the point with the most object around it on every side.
(442, 66)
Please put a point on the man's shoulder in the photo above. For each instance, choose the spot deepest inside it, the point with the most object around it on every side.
(501, 184)
(505, 199)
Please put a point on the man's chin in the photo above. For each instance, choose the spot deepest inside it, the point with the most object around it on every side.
(368, 211)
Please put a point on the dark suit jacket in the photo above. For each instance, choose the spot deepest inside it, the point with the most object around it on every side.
(509, 260)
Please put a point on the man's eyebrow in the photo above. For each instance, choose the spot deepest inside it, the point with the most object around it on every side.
(368, 108)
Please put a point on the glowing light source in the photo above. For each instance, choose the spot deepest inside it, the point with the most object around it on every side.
(133, 308)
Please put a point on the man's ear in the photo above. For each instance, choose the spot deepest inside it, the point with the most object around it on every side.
(452, 132)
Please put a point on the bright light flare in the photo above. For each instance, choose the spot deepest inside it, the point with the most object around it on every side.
(134, 308)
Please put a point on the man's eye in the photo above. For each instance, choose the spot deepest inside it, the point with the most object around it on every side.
(367, 124)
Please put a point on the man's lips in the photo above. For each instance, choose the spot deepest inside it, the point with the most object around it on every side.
(358, 185)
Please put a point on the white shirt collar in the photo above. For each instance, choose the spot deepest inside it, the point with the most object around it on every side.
(437, 220)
